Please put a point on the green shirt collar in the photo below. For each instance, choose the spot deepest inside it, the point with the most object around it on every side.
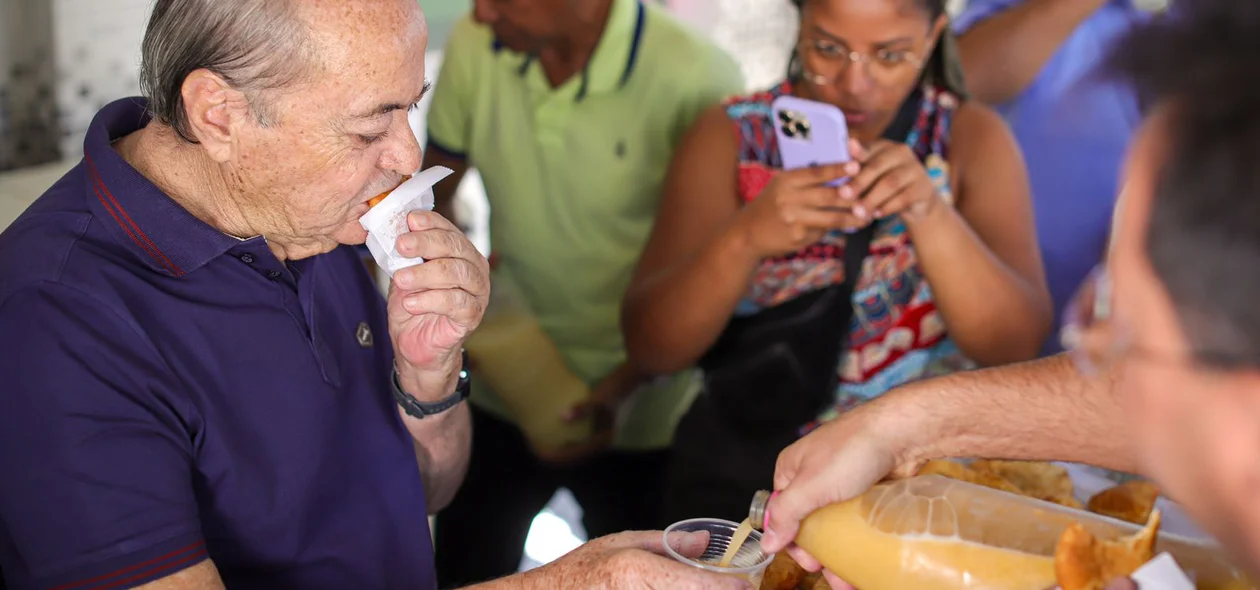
(614, 58)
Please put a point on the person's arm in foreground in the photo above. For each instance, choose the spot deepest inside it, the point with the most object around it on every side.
(626, 560)
(1039, 410)
(1004, 53)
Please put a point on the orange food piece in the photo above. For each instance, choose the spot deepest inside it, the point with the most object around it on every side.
(374, 201)
(955, 470)
(1036, 479)
(782, 574)
(1085, 562)
(1132, 501)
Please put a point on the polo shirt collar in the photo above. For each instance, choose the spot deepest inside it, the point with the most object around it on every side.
(613, 61)
(160, 232)
(615, 55)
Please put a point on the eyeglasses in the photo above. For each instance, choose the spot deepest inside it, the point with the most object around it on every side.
(832, 60)
(1096, 340)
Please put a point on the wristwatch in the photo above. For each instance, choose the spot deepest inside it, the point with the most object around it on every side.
(418, 409)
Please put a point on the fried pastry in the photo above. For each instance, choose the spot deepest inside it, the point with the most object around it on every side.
(1085, 562)
(1131, 501)
(783, 573)
(374, 201)
(1035, 479)
(815, 583)
(955, 470)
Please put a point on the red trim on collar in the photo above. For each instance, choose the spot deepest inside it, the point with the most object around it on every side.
(127, 224)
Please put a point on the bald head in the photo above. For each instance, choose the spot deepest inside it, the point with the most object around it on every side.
(261, 47)
(345, 31)
(365, 44)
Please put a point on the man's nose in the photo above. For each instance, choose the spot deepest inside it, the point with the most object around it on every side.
(484, 13)
(404, 157)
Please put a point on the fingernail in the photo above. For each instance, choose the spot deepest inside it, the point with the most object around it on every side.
(860, 212)
(410, 304)
(403, 279)
(769, 539)
(851, 168)
(846, 192)
(407, 242)
(879, 213)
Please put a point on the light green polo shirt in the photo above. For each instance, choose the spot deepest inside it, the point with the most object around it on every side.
(573, 175)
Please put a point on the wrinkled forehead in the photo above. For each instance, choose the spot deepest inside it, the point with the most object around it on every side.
(366, 53)
(359, 45)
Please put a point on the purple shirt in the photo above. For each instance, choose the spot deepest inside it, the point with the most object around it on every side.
(1073, 124)
(172, 393)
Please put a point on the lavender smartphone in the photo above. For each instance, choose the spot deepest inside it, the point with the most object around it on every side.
(810, 133)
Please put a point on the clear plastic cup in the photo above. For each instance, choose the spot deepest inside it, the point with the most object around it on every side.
(750, 561)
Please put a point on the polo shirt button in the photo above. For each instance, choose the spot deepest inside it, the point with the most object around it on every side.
(274, 274)
(247, 258)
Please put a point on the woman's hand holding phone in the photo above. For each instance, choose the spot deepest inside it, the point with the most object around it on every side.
(796, 209)
(888, 179)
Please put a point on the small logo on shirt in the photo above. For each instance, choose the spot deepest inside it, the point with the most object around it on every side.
(364, 335)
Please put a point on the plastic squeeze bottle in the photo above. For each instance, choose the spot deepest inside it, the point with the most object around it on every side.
(933, 533)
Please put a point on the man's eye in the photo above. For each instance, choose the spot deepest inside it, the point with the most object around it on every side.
(371, 139)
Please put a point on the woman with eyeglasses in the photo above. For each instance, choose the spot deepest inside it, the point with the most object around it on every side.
(747, 272)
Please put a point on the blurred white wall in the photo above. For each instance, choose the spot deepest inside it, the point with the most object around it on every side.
(97, 58)
(28, 132)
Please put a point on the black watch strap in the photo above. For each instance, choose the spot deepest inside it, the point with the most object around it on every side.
(418, 409)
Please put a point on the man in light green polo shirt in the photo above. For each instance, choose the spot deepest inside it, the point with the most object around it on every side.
(570, 111)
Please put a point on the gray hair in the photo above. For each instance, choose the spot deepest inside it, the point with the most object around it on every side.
(254, 45)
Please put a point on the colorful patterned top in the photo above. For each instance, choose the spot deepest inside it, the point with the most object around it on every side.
(896, 335)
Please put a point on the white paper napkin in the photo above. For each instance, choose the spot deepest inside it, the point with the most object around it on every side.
(1162, 573)
(387, 221)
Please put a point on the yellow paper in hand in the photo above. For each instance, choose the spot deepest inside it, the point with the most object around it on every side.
(517, 359)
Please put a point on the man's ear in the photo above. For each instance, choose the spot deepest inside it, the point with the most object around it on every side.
(216, 112)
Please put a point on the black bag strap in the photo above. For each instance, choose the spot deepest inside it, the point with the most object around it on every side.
(858, 244)
(903, 124)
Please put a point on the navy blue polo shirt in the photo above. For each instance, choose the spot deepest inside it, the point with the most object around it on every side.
(170, 393)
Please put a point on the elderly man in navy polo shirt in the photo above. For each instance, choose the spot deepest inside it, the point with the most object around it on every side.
(201, 386)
